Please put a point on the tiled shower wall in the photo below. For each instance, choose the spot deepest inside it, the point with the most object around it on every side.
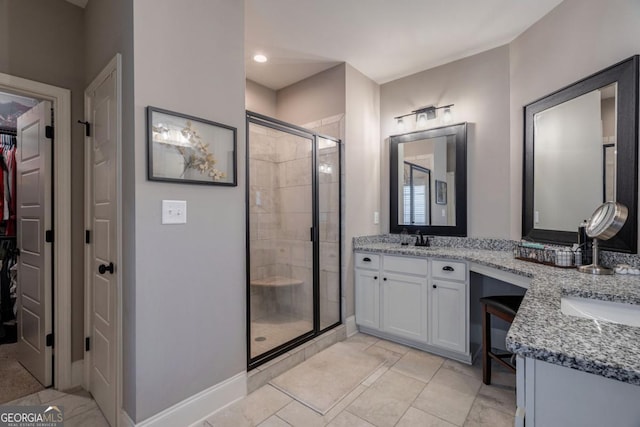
(280, 220)
(263, 219)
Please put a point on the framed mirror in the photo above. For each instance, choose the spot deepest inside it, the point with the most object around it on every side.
(428, 181)
(581, 150)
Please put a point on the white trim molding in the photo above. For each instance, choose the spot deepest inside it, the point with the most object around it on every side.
(350, 323)
(61, 100)
(195, 409)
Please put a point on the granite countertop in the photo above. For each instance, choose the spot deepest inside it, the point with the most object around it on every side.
(540, 330)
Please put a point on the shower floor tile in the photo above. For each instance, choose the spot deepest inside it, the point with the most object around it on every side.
(276, 329)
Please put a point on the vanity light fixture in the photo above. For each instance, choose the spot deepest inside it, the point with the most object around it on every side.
(447, 117)
(424, 114)
(421, 120)
(259, 58)
(325, 168)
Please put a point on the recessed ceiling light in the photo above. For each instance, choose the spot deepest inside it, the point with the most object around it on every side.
(260, 58)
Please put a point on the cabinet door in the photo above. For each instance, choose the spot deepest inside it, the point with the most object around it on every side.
(367, 298)
(448, 315)
(404, 307)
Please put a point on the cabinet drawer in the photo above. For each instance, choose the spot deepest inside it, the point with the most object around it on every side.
(418, 266)
(367, 261)
(451, 270)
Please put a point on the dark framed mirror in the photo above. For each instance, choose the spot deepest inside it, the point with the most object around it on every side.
(581, 149)
(428, 181)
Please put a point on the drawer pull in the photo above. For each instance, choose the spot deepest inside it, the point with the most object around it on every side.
(366, 259)
(385, 279)
(448, 268)
(375, 277)
(435, 287)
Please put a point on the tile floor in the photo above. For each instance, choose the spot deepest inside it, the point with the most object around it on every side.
(80, 410)
(413, 388)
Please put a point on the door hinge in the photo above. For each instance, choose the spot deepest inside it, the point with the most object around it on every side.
(87, 344)
(48, 132)
(87, 236)
(48, 236)
(49, 340)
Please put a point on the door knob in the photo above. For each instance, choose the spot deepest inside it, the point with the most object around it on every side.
(104, 268)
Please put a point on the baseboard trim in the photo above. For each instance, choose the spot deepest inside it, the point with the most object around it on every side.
(125, 420)
(77, 373)
(196, 408)
(352, 329)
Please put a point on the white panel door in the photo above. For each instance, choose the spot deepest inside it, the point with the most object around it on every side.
(102, 107)
(404, 306)
(33, 216)
(449, 315)
(367, 298)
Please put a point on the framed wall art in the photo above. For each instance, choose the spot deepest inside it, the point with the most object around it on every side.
(187, 149)
(441, 192)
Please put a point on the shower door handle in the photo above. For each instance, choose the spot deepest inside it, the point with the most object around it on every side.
(311, 234)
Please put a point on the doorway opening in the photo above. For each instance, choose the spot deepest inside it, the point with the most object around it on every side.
(20, 377)
(293, 236)
(48, 211)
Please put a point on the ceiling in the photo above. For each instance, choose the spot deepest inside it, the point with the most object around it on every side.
(383, 39)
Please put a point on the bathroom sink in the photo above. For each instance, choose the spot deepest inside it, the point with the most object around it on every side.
(607, 311)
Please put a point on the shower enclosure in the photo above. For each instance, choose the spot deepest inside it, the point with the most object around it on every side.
(293, 236)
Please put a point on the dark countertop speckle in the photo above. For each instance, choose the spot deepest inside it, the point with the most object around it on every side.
(540, 330)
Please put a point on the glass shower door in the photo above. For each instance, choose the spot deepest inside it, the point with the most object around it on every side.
(280, 248)
(329, 225)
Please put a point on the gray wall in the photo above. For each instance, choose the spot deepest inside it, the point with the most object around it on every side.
(479, 88)
(108, 29)
(190, 279)
(42, 40)
(362, 169)
(576, 39)
(317, 97)
(260, 99)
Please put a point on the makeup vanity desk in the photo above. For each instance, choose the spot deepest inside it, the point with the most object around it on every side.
(571, 370)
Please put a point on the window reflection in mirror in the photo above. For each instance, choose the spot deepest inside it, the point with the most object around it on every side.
(575, 159)
(428, 181)
(426, 163)
(415, 208)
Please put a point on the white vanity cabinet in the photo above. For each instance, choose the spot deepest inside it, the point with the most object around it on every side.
(449, 305)
(367, 277)
(419, 302)
(404, 297)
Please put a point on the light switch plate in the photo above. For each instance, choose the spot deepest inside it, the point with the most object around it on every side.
(174, 211)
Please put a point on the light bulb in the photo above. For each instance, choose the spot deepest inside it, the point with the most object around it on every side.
(447, 116)
(421, 120)
(400, 124)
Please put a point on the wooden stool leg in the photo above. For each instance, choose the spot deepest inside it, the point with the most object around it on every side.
(486, 346)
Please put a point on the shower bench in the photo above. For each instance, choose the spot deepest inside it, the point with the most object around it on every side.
(274, 283)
